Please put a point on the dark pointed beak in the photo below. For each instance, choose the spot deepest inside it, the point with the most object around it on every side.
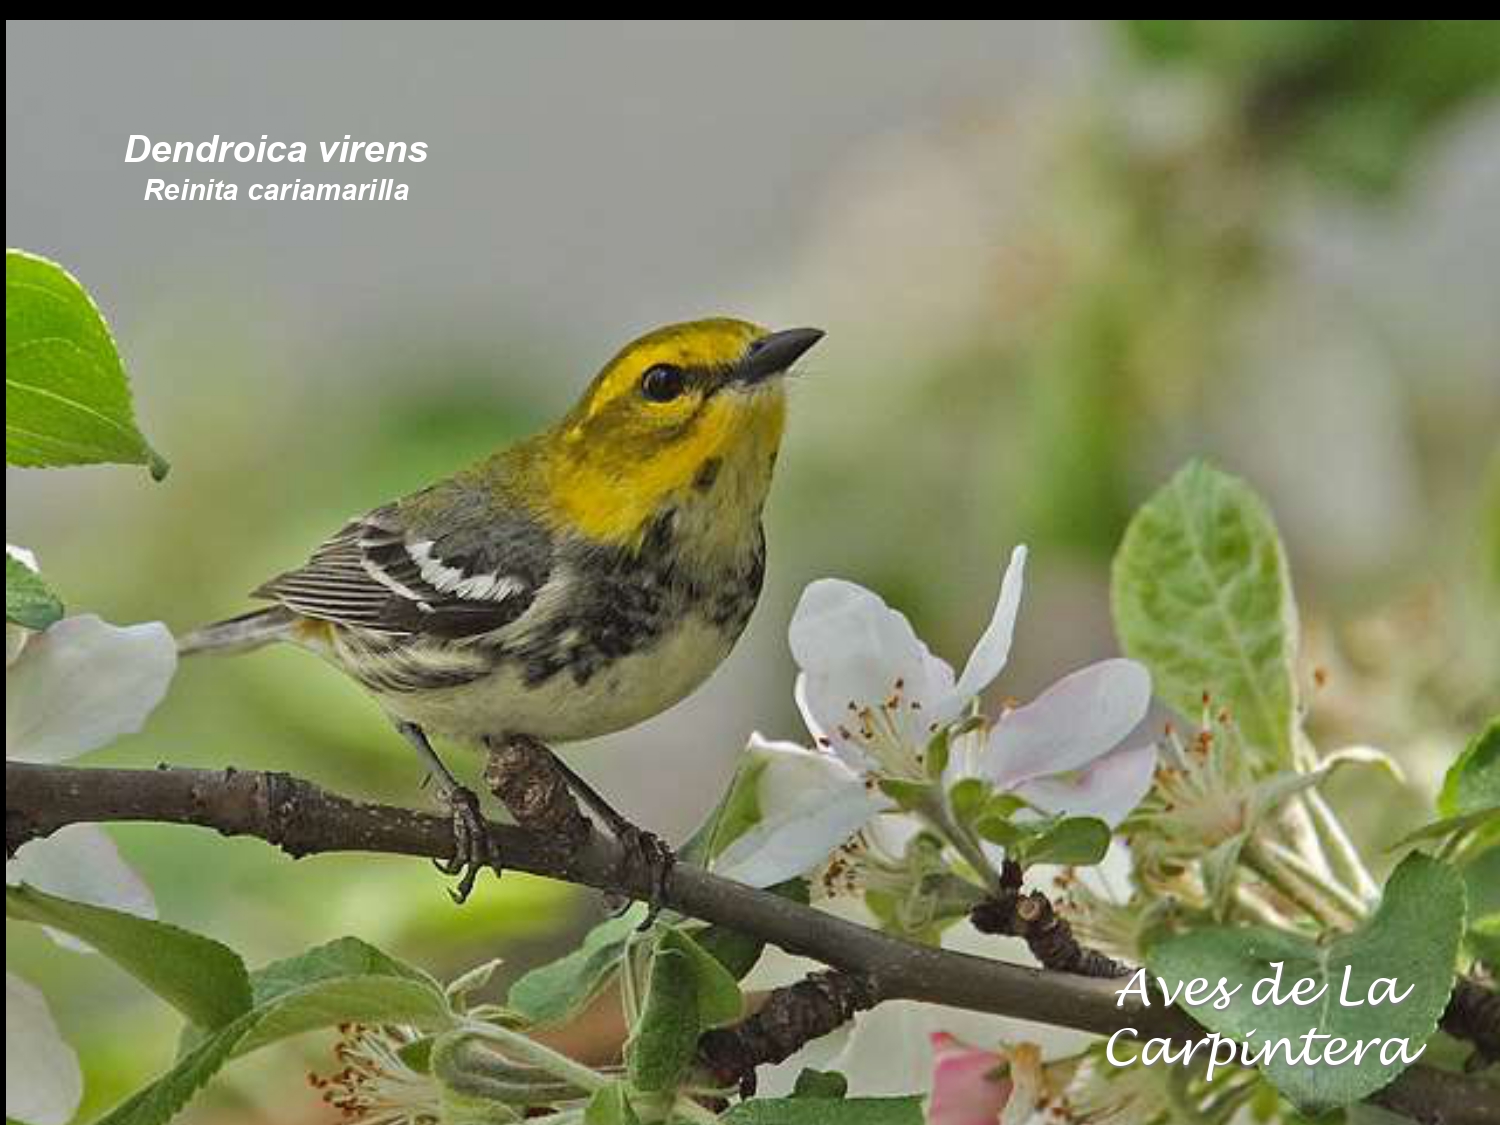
(773, 354)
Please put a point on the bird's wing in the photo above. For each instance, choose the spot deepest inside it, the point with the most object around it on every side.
(391, 571)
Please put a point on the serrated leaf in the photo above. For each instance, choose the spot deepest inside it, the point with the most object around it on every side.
(380, 997)
(1201, 596)
(826, 1111)
(1472, 783)
(663, 1043)
(366, 999)
(29, 602)
(67, 400)
(1413, 937)
(203, 979)
(553, 992)
(719, 999)
(342, 957)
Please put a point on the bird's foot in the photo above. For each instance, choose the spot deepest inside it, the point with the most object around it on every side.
(544, 795)
(473, 848)
(647, 858)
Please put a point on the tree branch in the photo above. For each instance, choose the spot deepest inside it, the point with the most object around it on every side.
(303, 819)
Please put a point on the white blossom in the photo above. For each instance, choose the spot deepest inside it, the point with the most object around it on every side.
(74, 687)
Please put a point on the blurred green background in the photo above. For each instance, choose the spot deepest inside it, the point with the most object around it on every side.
(1054, 260)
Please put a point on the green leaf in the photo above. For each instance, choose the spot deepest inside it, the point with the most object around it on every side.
(610, 1106)
(967, 798)
(664, 1042)
(1003, 831)
(719, 999)
(734, 950)
(1413, 937)
(67, 401)
(820, 1084)
(737, 950)
(558, 990)
(1075, 841)
(1472, 783)
(201, 978)
(1481, 872)
(342, 957)
(474, 980)
(359, 999)
(735, 814)
(826, 1111)
(1483, 822)
(390, 994)
(29, 602)
(907, 794)
(418, 1053)
(939, 749)
(1201, 597)
(1003, 805)
(163, 1099)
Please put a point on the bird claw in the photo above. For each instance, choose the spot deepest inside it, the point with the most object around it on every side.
(646, 852)
(473, 849)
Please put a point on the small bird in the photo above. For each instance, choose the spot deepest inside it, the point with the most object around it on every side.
(571, 585)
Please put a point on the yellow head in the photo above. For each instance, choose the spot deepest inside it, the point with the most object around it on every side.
(690, 411)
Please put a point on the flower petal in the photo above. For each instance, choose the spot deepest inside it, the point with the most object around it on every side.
(82, 684)
(1108, 789)
(1081, 717)
(811, 803)
(43, 1084)
(846, 749)
(993, 650)
(853, 648)
(80, 862)
(880, 1058)
(966, 1088)
(22, 556)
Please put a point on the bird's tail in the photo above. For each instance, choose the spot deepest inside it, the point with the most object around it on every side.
(244, 633)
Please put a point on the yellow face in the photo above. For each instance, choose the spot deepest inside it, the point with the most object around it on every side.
(677, 405)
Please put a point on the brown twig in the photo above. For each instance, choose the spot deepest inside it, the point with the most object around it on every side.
(789, 1018)
(303, 819)
(1033, 918)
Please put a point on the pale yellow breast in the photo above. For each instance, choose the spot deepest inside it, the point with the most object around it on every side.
(628, 691)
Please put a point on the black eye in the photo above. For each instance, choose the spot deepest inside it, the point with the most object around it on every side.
(663, 382)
